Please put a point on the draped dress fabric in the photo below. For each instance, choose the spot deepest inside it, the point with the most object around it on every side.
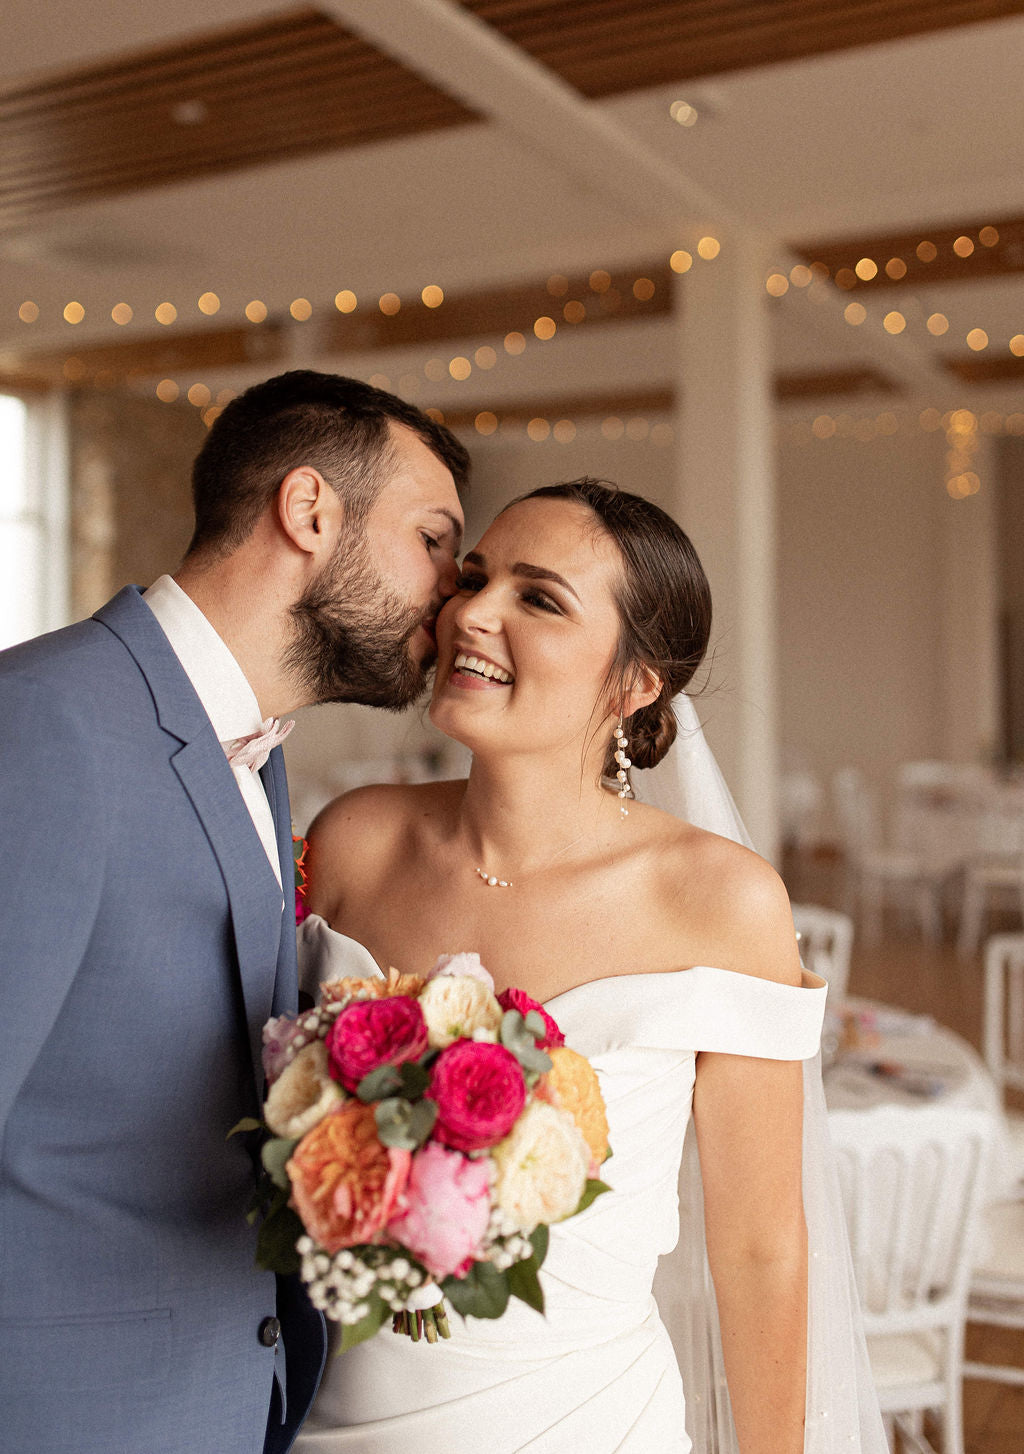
(597, 1372)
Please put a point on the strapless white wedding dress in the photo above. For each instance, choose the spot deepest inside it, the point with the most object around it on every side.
(598, 1372)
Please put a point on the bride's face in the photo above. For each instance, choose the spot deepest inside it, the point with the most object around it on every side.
(525, 647)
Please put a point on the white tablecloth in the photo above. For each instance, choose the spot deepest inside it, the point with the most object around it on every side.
(914, 1061)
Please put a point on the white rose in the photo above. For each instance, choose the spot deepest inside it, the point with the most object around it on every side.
(303, 1094)
(542, 1168)
(454, 1008)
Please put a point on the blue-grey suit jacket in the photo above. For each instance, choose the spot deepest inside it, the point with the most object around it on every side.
(142, 946)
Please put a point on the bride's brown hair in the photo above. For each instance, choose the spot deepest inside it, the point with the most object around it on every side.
(664, 604)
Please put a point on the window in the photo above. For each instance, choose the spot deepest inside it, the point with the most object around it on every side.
(33, 518)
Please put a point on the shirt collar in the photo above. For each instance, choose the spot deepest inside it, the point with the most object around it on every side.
(220, 684)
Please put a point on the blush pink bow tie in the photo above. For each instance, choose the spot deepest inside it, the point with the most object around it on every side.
(253, 751)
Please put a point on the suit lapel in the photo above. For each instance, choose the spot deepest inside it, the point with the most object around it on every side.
(275, 782)
(252, 889)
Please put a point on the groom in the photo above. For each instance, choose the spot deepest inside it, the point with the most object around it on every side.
(147, 924)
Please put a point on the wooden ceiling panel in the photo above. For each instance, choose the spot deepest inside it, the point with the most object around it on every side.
(293, 85)
(970, 252)
(608, 46)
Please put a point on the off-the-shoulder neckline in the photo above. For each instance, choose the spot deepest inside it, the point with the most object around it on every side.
(809, 980)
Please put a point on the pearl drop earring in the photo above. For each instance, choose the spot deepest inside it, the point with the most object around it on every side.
(624, 764)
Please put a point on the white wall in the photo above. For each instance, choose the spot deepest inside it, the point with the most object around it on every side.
(874, 649)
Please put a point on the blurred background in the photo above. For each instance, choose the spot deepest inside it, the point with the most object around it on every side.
(763, 262)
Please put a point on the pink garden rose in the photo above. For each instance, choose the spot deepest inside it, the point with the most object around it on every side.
(513, 999)
(370, 1033)
(479, 1090)
(445, 1209)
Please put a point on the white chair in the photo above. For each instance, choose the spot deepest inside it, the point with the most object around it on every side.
(912, 1180)
(877, 871)
(997, 1285)
(997, 869)
(826, 941)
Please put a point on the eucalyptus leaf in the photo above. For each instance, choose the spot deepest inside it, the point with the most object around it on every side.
(247, 1123)
(591, 1191)
(482, 1293)
(385, 1081)
(421, 1122)
(516, 1037)
(275, 1246)
(415, 1079)
(535, 1024)
(394, 1123)
(353, 1333)
(274, 1155)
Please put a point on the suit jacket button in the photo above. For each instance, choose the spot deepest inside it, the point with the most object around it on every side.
(270, 1331)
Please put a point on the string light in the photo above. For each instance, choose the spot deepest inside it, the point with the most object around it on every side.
(346, 301)
(574, 311)
(389, 304)
(432, 295)
(209, 304)
(122, 314)
(256, 312)
(29, 311)
(708, 248)
(165, 314)
(301, 309)
(199, 395)
(73, 313)
(544, 327)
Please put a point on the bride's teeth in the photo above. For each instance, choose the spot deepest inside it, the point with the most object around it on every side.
(487, 669)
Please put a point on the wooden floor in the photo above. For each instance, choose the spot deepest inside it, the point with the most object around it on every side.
(932, 979)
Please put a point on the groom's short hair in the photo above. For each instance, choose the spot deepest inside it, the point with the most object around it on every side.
(340, 426)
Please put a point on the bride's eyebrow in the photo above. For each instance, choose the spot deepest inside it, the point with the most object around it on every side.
(523, 568)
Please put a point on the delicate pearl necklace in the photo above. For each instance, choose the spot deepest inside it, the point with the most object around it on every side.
(492, 881)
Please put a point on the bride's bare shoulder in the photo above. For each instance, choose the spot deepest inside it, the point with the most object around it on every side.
(355, 837)
(729, 901)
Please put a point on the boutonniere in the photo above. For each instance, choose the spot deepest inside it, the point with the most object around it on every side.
(299, 850)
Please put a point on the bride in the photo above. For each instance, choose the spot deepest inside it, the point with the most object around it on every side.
(667, 955)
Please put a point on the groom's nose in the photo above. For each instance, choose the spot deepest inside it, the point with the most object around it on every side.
(447, 576)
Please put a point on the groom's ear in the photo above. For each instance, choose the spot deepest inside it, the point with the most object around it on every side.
(308, 510)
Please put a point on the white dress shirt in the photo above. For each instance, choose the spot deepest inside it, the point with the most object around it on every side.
(221, 686)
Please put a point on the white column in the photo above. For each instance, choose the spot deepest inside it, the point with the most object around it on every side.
(725, 500)
(970, 617)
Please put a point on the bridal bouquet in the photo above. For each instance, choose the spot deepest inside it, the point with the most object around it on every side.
(423, 1131)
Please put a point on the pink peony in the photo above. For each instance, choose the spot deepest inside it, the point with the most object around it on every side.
(479, 1090)
(462, 966)
(277, 1040)
(445, 1209)
(513, 999)
(370, 1033)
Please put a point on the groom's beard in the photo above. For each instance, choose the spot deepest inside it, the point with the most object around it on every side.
(352, 635)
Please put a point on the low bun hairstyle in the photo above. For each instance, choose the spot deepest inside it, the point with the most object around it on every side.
(664, 604)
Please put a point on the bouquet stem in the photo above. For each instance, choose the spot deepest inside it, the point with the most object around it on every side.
(431, 1324)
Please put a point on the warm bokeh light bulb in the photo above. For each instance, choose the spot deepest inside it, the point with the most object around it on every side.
(73, 313)
(432, 295)
(29, 311)
(256, 312)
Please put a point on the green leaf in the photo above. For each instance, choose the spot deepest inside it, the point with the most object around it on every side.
(385, 1081)
(421, 1123)
(482, 1293)
(516, 1037)
(524, 1283)
(394, 1117)
(274, 1155)
(591, 1191)
(353, 1333)
(247, 1123)
(415, 1079)
(275, 1246)
(535, 1025)
(539, 1239)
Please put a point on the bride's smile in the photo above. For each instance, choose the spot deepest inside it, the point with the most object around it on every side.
(526, 647)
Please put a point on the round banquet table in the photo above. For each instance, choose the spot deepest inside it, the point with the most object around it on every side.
(906, 1059)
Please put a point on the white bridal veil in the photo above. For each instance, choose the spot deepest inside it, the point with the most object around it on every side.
(842, 1409)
